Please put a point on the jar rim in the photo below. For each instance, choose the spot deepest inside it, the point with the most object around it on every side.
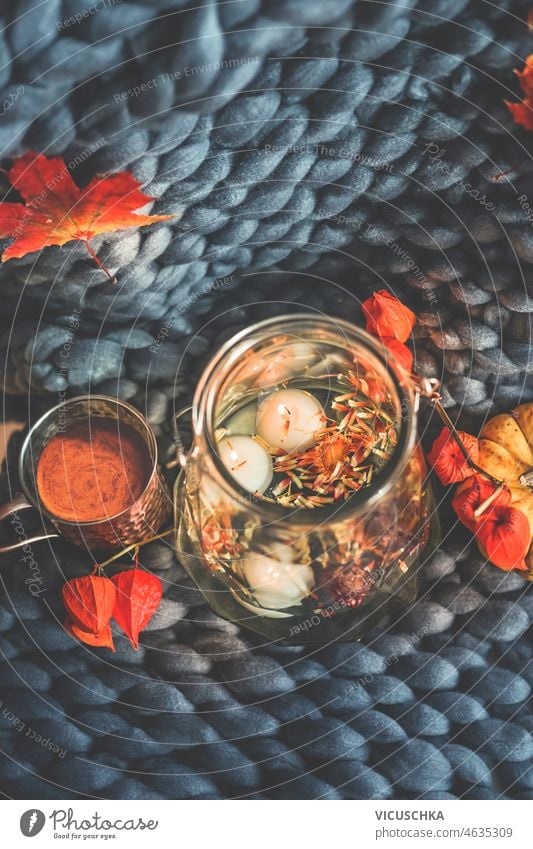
(204, 408)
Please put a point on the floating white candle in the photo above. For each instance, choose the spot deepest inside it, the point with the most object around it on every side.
(289, 419)
(290, 361)
(247, 461)
(263, 371)
(276, 584)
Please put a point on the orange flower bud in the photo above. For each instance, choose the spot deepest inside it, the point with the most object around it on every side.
(386, 316)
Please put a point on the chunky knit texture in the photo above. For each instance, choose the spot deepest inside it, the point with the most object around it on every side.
(300, 143)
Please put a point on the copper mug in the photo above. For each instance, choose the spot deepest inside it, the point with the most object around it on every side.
(140, 520)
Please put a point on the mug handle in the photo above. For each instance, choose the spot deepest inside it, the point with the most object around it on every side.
(20, 502)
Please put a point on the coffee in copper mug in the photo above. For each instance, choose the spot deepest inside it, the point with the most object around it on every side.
(90, 467)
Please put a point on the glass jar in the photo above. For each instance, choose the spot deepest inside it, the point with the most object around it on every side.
(303, 505)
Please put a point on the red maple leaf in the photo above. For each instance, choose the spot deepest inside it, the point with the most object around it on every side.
(56, 211)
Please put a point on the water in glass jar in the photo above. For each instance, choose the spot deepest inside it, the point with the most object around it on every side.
(305, 506)
(307, 446)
